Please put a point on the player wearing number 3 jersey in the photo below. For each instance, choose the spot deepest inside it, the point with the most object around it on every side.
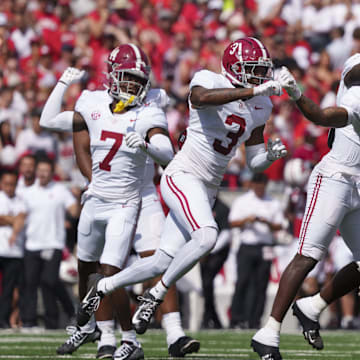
(225, 110)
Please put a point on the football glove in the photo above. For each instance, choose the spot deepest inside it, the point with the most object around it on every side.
(134, 140)
(288, 82)
(71, 75)
(275, 149)
(269, 88)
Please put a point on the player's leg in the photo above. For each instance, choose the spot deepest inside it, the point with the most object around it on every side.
(89, 248)
(190, 205)
(119, 235)
(323, 214)
(346, 280)
(150, 224)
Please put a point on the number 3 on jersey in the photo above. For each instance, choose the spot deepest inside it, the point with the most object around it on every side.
(105, 164)
(234, 136)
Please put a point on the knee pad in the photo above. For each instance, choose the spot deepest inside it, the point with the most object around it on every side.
(206, 237)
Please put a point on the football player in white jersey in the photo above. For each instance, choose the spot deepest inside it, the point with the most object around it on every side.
(225, 110)
(116, 176)
(333, 202)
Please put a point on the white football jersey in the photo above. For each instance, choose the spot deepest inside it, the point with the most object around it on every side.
(344, 156)
(215, 132)
(117, 170)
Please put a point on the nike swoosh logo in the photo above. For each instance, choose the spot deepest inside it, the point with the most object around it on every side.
(258, 108)
(86, 298)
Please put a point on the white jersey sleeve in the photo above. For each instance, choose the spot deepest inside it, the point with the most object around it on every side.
(203, 78)
(157, 97)
(149, 118)
(351, 102)
(81, 102)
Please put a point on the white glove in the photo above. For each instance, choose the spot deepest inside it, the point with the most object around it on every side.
(71, 75)
(269, 88)
(275, 149)
(288, 82)
(134, 140)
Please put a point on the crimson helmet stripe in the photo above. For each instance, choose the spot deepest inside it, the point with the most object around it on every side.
(261, 46)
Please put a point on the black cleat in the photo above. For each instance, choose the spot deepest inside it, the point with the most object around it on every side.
(310, 328)
(184, 345)
(76, 339)
(105, 352)
(145, 311)
(266, 352)
(91, 301)
(129, 351)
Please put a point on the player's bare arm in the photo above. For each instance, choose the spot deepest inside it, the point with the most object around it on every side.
(200, 96)
(81, 140)
(6, 220)
(331, 116)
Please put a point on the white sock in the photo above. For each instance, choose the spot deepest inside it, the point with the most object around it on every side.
(107, 328)
(159, 290)
(346, 320)
(171, 322)
(129, 336)
(312, 306)
(269, 334)
(89, 327)
(318, 302)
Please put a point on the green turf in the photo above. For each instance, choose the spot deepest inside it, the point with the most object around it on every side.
(227, 345)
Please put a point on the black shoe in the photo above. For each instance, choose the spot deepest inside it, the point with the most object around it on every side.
(91, 301)
(310, 328)
(266, 352)
(211, 324)
(145, 311)
(76, 339)
(184, 345)
(105, 352)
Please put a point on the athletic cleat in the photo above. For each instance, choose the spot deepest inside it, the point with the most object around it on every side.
(106, 352)
(184, 345)
(91, 301)
(129, 351)
(76, 339)
(145, 311)
(310, 328)
(266, 352)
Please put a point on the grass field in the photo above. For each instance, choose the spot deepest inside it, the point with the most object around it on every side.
(227, 345)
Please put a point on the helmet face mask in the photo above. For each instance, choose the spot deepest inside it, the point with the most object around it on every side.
(128, 74)
(246, 63)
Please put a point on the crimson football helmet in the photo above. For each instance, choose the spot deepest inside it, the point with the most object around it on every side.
(246, 62)
(128, 73)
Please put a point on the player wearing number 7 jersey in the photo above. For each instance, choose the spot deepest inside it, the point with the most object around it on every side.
(225, 110)
(115, 131)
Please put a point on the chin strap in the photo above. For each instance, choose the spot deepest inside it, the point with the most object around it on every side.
(121, 105)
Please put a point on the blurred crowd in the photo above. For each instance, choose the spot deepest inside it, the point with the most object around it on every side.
(39, 39)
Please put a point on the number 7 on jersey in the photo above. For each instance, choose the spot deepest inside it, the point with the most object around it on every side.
(105, 164)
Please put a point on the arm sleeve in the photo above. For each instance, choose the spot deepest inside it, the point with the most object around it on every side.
(160, 149)
(256, 157)
(203, 78)
(51, 116)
